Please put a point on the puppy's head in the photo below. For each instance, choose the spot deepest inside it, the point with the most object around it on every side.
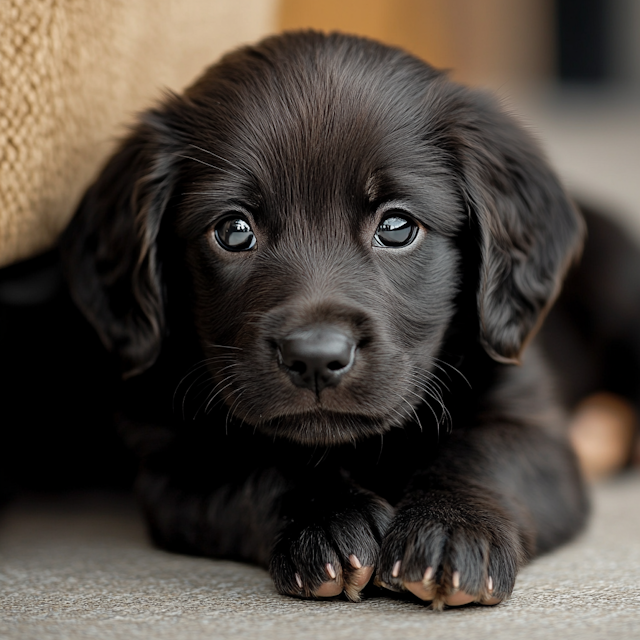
(314, 189)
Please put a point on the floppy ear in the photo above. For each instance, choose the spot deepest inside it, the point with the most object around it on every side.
(530, 232)
(109, 249)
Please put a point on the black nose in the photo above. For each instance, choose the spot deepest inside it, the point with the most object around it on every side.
(318, 356)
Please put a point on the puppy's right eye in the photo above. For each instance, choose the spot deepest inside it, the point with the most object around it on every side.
(235, 234)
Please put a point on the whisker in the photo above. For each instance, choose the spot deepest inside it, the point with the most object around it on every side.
(426, 402)
(431, 385)
(428, 386)
(432, 390)
(322, 457)
(230, 411)
(398, 414)
(184, 398)
(184, 378)
(415, 413)
(430, 380)
(248, 412)
(435, 363)
(429, 376)
(199, 366)
(213, 394)
(454, 369)
(217, 393)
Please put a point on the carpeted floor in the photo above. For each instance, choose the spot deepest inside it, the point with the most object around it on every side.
(81, 567)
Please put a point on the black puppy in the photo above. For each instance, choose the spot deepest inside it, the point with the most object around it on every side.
(318, 268)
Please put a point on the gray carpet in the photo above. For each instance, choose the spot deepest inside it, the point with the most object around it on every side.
(81, 567)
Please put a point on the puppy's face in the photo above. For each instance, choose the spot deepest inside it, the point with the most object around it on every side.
(320, 221)
(316, 187)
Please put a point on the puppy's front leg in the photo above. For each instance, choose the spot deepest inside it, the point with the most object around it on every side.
(237, 518)
(317, 531)
(496, 495)
(330, 539)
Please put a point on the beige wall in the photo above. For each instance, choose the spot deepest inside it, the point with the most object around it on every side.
(72, 71)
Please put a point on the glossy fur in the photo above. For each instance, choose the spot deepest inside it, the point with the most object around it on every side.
(435, 448)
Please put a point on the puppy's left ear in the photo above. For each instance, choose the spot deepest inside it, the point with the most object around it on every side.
(530, 232)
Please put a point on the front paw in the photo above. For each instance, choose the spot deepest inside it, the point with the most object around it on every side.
(452, 550)
(329, 544)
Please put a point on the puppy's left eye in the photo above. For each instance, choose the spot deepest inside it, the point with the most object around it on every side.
(235, 234)
(395, 231)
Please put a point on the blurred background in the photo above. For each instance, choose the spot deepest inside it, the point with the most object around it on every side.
(72, 72)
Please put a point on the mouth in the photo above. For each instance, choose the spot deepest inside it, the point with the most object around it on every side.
(372, 391)
(336, 416)
(324, 428)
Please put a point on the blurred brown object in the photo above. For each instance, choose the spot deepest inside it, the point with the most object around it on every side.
(602, 433)
(71, 71)
(487, 42)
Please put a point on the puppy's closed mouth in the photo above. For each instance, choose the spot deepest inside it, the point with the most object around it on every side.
(317, 385)
(323, 428)
(313, 412)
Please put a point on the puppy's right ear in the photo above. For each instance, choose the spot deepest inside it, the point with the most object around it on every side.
(109, 249)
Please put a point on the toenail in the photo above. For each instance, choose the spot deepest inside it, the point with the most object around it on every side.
(298, 581)
(330, 570)
(428, 574)
(490, 584)
(396, 569)
(456, 579)
(355, 563)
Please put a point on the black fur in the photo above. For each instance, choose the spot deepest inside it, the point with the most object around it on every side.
(433, 449)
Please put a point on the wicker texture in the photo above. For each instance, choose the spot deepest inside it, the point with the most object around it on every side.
(71, 72)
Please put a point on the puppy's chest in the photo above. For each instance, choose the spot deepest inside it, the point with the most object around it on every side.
(383, 465)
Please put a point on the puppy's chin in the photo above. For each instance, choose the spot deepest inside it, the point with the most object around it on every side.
(323, 428)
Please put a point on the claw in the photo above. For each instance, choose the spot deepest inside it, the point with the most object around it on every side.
(455, 580)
